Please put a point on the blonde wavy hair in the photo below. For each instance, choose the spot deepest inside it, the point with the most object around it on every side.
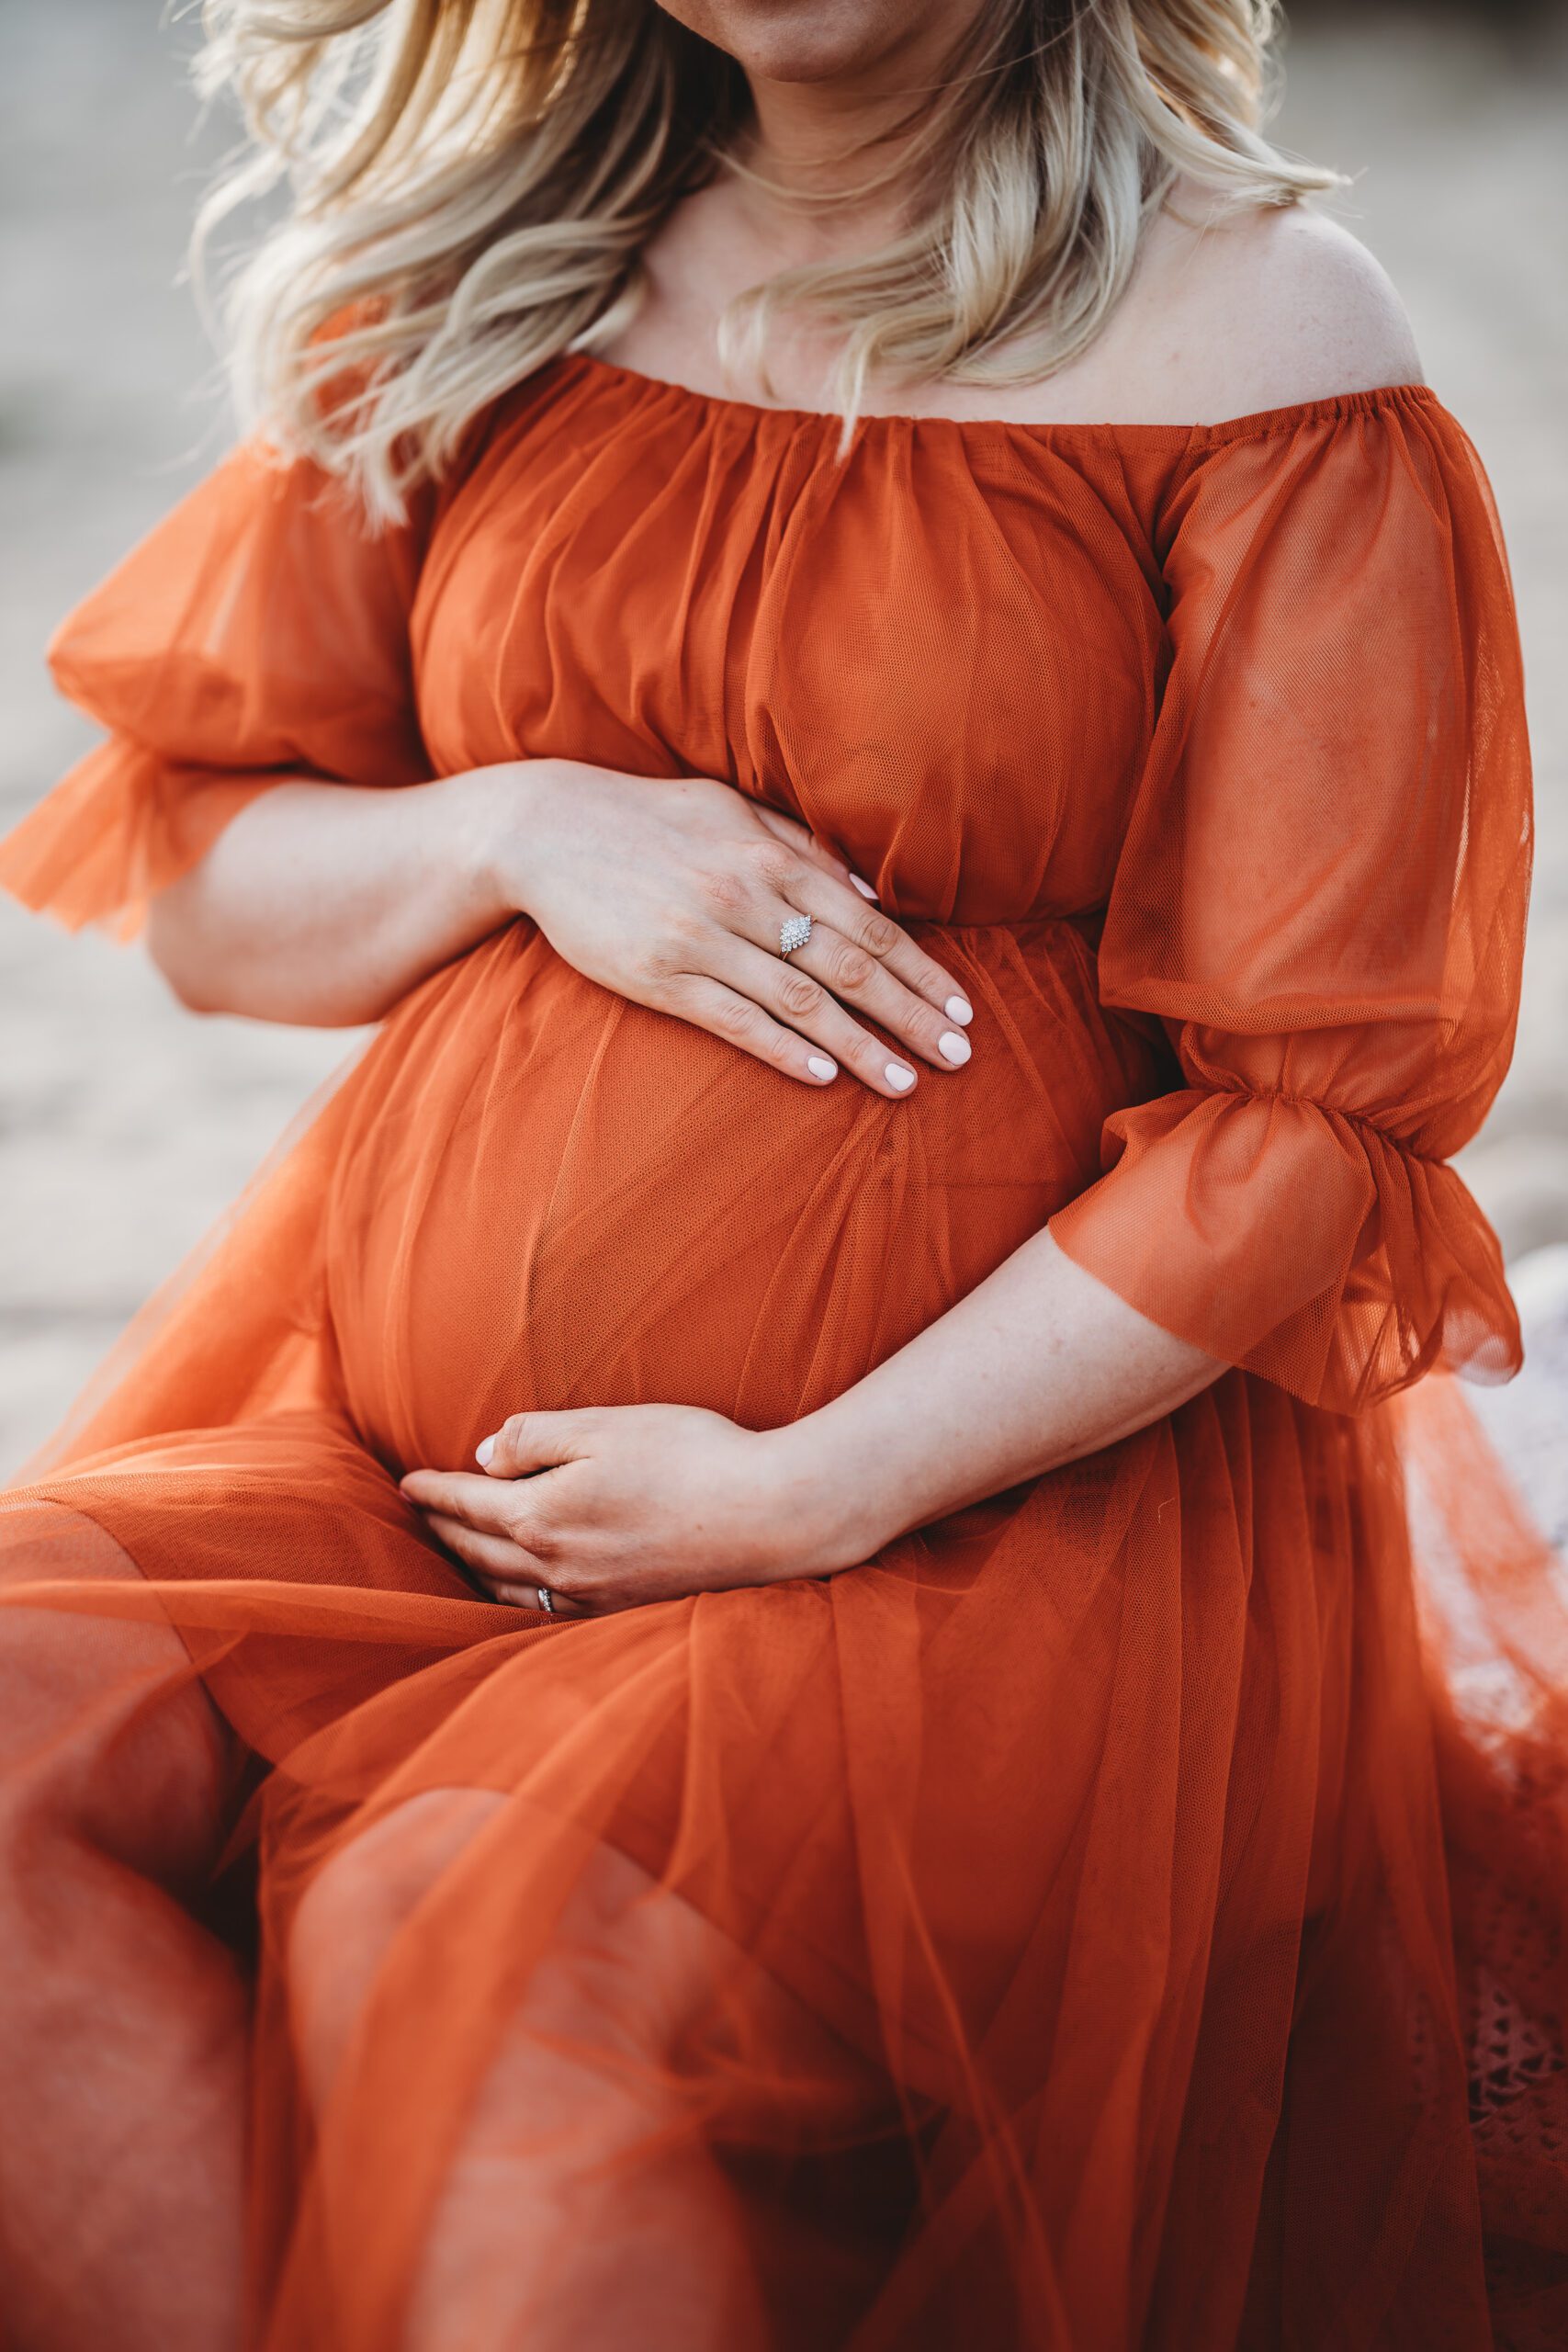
(473, 184)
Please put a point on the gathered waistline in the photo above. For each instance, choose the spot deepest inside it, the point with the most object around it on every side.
(1086, 926)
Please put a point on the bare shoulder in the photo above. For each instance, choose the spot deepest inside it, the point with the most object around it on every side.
(1226, 313)
(1264, 310)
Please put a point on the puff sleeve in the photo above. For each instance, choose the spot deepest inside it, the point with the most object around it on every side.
(1320, 898)
(260, 631)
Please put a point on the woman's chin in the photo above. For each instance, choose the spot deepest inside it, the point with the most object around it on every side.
(807, 41)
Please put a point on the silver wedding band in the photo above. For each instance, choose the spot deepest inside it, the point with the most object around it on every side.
(546, 1599)
(793, 932)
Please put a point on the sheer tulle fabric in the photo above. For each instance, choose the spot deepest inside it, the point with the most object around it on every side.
(1333, 958)
(202, 654)
(1118, 1913)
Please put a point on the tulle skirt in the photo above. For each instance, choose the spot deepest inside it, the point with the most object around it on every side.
(1121, 1914)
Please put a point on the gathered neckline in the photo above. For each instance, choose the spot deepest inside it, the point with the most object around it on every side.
(1329, 408)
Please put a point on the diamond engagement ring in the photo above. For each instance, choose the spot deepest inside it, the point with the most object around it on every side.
(546, 1599)
(793, 933)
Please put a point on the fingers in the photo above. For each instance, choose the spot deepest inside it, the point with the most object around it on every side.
(776, 873)
(893, 989)
(866, 943)
(487, 1504)
(505, 1571)
(493, 1558)
(805, 887)
(740, 1021)
(529, 1441)
(792, 995)
(527, 1596)
(813, 986)
(863, 957)
(740, 988)
(800, 838)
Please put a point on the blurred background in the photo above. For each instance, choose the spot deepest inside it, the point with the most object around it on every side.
(126, 1124)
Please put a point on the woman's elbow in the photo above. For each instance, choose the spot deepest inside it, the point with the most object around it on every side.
(213, 966)
(178, 951)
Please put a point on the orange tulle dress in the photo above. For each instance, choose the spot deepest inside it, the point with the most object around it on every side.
(1127, 1913)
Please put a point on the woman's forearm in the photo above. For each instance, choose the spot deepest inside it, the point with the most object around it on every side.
(324, 903)
(1040, 1364)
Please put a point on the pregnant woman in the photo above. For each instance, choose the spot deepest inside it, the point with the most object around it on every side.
(741, 1668)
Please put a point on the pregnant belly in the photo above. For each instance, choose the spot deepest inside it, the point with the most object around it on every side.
(550, 1198)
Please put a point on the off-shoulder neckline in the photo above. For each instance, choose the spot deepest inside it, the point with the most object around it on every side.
(1328, 409)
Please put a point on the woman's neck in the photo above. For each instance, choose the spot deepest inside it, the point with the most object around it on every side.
(820, 163)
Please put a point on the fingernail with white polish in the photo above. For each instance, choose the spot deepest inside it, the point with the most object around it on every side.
(899, 1076)
(958, 1008)
(864, 888)
(820, 1066)
(951, 1046)
(483, 1452)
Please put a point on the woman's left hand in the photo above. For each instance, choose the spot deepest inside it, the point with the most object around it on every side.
(611, 1507)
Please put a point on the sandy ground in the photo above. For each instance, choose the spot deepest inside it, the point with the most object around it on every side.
(125, 1124)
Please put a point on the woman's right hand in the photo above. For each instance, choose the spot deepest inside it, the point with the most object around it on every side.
(672, 893)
